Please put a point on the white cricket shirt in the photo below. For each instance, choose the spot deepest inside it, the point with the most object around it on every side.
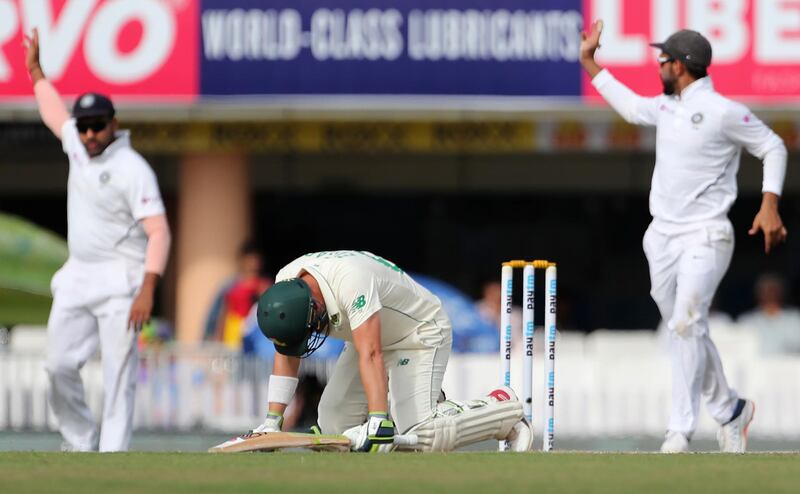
(699, 137)
(107, 196)
(357, 284)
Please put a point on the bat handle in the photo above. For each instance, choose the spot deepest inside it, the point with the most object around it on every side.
(405, 439)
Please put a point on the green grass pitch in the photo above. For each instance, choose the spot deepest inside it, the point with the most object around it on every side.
(328, 473)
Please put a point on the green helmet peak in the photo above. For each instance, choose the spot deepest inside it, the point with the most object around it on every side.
(289, 316)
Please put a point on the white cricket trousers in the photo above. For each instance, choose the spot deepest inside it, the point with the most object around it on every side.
(81, 320)
(415, 366)
(685, 271)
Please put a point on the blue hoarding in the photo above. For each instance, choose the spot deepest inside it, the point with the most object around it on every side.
(414, 47)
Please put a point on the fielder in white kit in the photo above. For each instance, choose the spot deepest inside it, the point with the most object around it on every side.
(690, 240)
(118, 240)
(389, 375)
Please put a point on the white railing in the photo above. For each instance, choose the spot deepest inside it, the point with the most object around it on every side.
(177, 389)
(608, 384)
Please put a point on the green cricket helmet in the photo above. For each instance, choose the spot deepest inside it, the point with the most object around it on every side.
(289, 316)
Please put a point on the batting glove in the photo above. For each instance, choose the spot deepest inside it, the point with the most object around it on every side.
(272, 423)
(376, 435)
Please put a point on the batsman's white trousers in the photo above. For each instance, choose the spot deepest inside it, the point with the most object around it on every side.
(91, 307)
(415, 366)
(685, 271)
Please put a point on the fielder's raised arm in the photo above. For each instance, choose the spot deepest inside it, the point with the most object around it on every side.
(51, 108)
(632, 107)
(590, 42)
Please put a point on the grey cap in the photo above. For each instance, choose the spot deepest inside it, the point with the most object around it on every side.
(690, 47)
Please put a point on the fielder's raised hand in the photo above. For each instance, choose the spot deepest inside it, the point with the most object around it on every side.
(376, 435)
(590, 42)
(31, 44)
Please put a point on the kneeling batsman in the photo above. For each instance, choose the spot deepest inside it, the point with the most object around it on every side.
(388, 378)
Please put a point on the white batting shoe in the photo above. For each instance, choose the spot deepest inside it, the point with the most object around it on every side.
(732, 437)
(675, 442)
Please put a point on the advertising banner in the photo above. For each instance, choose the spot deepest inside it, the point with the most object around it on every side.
(189, 51)
(756, 43)
(414, 47)
(142, 49)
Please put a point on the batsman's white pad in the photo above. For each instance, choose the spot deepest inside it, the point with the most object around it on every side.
(521, 437)
(456, 424)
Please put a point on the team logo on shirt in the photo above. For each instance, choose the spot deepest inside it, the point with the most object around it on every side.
(359, 303)
(697, 118)
(105, 177)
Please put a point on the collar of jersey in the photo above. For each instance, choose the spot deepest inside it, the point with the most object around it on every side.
(697, 87)
(330, 301)
(122, 139)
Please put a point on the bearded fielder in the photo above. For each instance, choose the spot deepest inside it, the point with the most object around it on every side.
(388, 378)
(689, 243)
(118, 240)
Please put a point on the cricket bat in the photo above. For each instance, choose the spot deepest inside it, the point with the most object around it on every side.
(272, 441)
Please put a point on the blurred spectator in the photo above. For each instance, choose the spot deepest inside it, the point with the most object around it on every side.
(489, 309)
(472, 333)
(777, 326)
(229, 310)
(489, 304)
